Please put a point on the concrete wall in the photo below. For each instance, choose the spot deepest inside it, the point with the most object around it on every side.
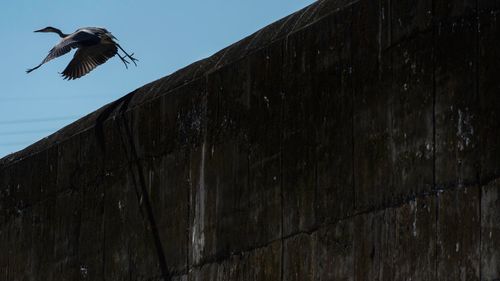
(352, 140)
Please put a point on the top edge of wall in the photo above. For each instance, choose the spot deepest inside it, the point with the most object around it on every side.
(258, 40)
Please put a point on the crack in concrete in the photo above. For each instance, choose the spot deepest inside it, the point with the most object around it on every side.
(143, 190)
(139, 179)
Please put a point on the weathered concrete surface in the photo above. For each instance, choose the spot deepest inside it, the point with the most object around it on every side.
(352, 140)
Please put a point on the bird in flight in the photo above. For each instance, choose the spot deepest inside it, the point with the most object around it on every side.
(94, 46)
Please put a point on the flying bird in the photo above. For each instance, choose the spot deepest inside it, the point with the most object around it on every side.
(94, 46)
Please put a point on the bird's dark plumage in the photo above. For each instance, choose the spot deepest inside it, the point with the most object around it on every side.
(94, 47)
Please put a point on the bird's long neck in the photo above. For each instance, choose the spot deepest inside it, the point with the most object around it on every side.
(62, 35)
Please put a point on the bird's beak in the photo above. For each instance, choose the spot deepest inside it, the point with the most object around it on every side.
(40, 30)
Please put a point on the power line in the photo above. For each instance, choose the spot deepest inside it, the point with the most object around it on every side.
(13, 133)
(52, 98)
(37, 120)
(16, 143)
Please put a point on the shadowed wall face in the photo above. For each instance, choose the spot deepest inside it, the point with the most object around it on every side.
(353, 140)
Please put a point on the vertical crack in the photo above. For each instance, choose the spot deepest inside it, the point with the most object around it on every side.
(353, 138)
(478, 58)
(282, 140)
(353, 121)
(104, 233)
(350, 74)
(139, 179)
(434, 146)
(391, 105)
(188, 229)
(101, 143)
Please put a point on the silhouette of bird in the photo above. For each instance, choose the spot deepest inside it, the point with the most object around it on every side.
(94, 46)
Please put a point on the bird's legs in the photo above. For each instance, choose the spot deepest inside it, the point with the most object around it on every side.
(125, 62)
(126, 55)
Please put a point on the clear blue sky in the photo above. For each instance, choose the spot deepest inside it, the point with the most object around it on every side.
(164, 35)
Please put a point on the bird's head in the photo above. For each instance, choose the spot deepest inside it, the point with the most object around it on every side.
(48, 29)
(52, 29)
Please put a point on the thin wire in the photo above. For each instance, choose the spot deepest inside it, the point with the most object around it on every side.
(16, 144)
(13, 133)
(38, 120)
(53, 98)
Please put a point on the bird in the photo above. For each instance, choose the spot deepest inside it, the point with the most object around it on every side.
(95, 45)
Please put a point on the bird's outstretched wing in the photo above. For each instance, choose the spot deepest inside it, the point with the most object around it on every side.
(75, 40)
(88, 58)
